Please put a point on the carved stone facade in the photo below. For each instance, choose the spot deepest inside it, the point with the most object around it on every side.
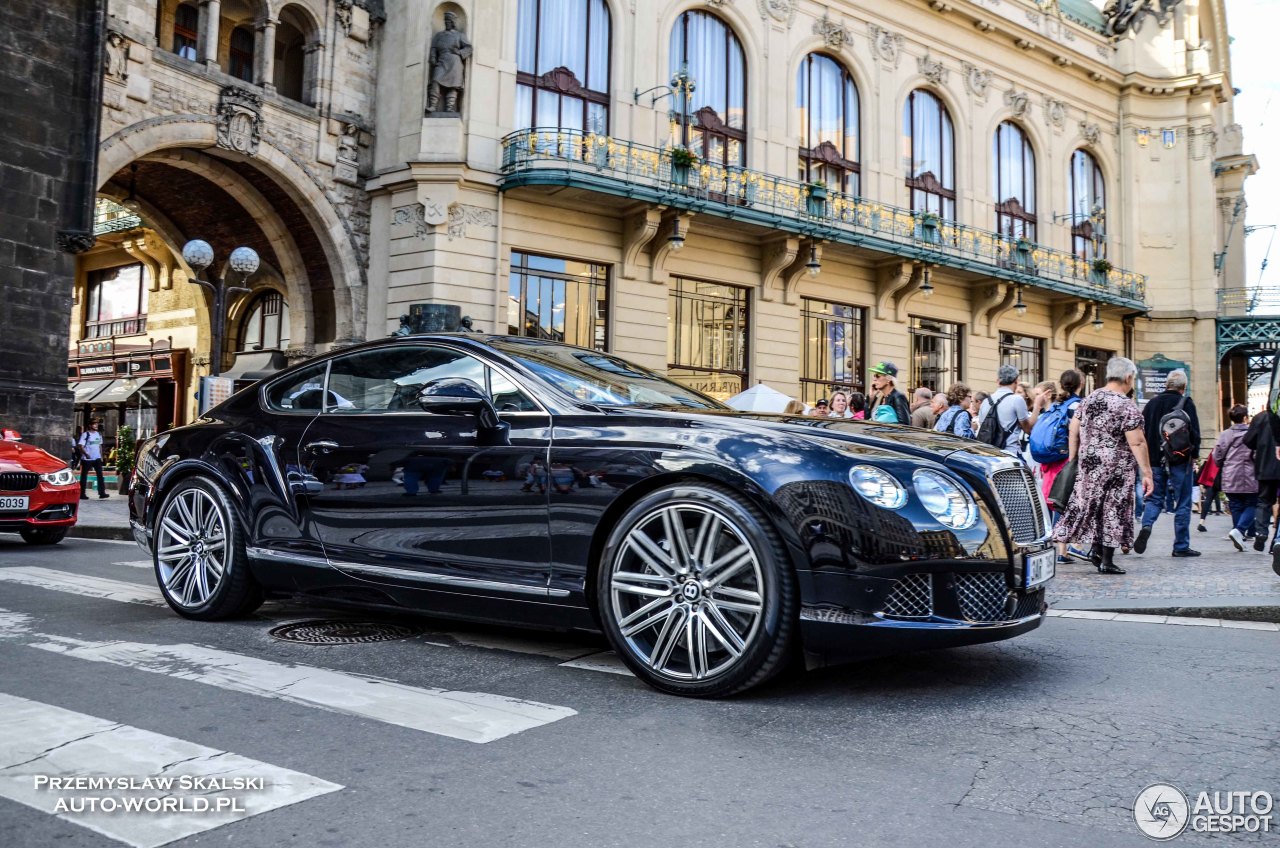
(256, 150)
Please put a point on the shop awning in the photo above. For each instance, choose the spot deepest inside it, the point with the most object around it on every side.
(87, 390)
(255, 365)
(120, 391)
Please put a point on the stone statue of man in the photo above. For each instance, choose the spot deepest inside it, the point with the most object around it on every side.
(449, 52)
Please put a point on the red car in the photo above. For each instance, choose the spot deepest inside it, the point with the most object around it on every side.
(39, 494)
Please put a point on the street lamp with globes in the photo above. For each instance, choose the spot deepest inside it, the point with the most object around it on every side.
(244, 261)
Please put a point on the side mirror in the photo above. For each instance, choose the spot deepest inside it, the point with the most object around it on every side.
(458, 396)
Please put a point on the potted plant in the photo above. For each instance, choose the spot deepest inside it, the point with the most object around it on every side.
(126, 446)
(682, 159)
(1100, 268)
(816, 192)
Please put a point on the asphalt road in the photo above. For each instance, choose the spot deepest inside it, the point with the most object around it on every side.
(471, 736)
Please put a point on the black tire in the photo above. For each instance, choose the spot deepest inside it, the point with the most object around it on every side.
(43, 535)
(756, 557)
(236, 593)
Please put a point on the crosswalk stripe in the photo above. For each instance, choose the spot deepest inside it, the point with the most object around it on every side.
(468, 716)
(40, 741)
(606, 661)
(136, 593)
(84, 584)
(137, 563)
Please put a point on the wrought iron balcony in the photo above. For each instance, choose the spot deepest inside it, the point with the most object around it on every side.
(1249, 302)
(626, 169)
(111, 217)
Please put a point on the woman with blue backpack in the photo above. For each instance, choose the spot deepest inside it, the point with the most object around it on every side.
(1051, 437)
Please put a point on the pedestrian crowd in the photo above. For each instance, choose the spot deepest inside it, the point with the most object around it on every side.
(1108, 469)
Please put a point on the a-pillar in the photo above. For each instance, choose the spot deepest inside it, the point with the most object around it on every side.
(210, 21)
(264, 72)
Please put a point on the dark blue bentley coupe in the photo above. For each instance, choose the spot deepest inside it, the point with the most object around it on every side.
(520, 481)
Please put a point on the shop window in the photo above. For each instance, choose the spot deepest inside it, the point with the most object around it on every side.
(266, 327)
(935, 354)
(1026, 353)
(565, 300)
(833, 348)
(1015, 183)
(708, 331)
(116, 302)
(715, 126)
(240, 58)
(562, 65)
(930, 142)
(827, 101)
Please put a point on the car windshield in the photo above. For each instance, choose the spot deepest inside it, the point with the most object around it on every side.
(603, 380)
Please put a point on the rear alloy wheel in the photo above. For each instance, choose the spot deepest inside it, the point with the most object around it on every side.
(199, 555)
(43, 535)
(696, 594)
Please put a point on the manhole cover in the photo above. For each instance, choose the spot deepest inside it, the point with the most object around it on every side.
(323, 632)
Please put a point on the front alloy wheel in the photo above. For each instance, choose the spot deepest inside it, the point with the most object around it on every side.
(697, 595)
(199, 558)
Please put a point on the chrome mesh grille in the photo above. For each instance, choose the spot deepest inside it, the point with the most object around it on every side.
(911, 597)
(982, 597)
(18, 481)
(1023, 506)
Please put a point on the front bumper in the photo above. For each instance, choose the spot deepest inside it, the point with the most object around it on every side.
(928, 605)
(48, 506)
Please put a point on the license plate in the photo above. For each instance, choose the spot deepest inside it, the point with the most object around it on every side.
(1039, 567)
(13, 503)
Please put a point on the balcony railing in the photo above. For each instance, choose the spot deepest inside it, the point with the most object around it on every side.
(111, 217)
(627, 169)
(1249, 302)
(118, 327)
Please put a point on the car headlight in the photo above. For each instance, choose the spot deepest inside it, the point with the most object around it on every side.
(61, 477)
(879, 487)
(945, 499)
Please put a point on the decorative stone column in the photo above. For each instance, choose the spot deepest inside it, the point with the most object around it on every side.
(264, 71)
(210, 22)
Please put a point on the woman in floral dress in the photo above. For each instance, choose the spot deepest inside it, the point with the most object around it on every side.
(1107, 437)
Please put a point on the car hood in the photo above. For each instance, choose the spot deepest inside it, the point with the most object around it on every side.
(837, 433)
(15, 456)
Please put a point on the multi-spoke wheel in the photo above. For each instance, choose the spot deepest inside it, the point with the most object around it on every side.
(695, 592)
(199, 555)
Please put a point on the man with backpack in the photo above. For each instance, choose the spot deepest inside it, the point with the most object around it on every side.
(1173, 441)
(1011, 420)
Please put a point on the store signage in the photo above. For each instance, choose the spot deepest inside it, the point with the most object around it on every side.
(89, 370)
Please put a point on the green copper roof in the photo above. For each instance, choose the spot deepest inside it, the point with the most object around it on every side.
(1083, 12)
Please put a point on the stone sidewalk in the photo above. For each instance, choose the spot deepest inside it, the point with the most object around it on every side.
(1224, 581)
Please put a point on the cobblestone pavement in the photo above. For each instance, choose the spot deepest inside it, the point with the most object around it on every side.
(1220, 572)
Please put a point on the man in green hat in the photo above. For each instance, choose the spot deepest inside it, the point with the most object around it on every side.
(884, 381)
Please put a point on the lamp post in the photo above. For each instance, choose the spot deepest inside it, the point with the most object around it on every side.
(243, 261)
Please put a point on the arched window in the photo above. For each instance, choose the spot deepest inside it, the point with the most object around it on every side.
(186, 27)
(266, 327)
(1088, 207)
(562, 65)
(828, 102)
(294, 72)
(240, 57)
(1015, 182)
(716, 128)
(930, 142)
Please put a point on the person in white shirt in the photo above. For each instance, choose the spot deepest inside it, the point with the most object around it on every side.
(90, 446)
(1014, 418)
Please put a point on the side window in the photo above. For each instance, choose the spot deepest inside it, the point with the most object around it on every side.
(389, 379)
(300, 392)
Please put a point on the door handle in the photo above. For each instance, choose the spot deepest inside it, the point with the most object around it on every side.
(322, 446)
